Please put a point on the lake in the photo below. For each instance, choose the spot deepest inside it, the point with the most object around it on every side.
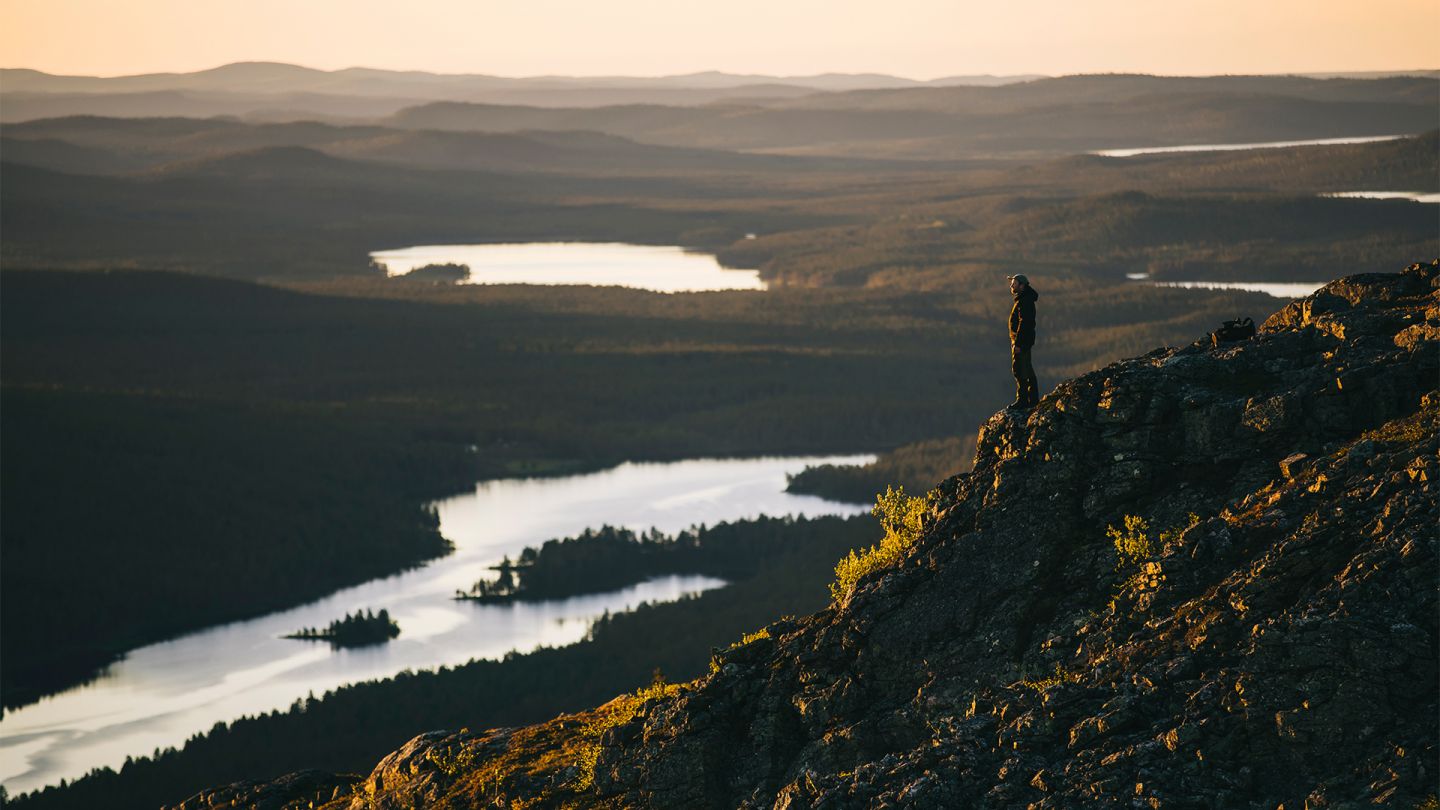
(1228, 147)
(645, 267)
(1279, 289)
(1416, 196)
(160, 695)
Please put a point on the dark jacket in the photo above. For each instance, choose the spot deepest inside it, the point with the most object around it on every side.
(1022, 318)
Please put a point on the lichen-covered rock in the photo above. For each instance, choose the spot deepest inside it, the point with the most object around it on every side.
(303, 789)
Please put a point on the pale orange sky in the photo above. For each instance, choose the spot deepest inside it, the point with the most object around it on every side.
(916, 38)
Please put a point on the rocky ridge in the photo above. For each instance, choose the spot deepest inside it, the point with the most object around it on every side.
(1276, 645)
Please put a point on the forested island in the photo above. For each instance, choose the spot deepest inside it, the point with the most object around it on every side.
(356, 629)
(609, 558)
(448, 273)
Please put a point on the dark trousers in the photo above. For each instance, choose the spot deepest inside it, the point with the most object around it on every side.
(1027, 388)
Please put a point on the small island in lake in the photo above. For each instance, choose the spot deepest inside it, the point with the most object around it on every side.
(451, 273)
(355, 630)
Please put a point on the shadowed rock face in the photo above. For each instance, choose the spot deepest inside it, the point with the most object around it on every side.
(1280, 646)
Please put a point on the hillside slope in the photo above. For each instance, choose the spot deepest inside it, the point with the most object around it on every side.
(1278, 647)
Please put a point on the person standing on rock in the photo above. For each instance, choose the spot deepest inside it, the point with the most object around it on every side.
(1022, 340)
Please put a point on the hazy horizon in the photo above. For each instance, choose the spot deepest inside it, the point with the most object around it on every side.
(712, 71)
(915, 39)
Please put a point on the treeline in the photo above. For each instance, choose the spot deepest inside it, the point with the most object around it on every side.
(917, 467)
(610, 558)
(350, 729)
(129, 519)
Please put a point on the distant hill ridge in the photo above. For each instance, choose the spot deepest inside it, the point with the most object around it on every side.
(275, 91)
(251, 77)
(1049, 116)
(126, 145)
(261, 77)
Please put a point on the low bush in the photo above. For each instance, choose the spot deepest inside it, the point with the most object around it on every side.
(904, 520)
(1134, 545)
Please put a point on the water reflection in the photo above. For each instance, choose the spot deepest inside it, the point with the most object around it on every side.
(1417, 196)
(646, 267)
(1230, 147)
(161, 694)
(1287, 290)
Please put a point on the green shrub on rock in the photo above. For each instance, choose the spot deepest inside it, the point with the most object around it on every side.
(904, 519)
(1134, 545)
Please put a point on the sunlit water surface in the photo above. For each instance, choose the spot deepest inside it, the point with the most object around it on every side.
(1286, 290)
(1232, 147)
(646, 267)
(1416, 196)
(1279, 289)
(160, 695)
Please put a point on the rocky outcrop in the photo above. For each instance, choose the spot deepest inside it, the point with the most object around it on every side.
(1276, 644)
(301, 789)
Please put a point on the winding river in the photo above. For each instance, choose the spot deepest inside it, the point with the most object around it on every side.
(160, 695)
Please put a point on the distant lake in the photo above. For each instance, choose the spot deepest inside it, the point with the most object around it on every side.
(1228, 147)
(645, 267)
(159, 695)
(1417, 196)
(1286, 290)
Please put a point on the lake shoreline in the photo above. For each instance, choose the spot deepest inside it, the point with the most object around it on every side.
(86, 667)
(346, 729)
(421, 611)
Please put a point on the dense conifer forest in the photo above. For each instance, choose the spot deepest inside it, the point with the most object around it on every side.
(133, 518)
